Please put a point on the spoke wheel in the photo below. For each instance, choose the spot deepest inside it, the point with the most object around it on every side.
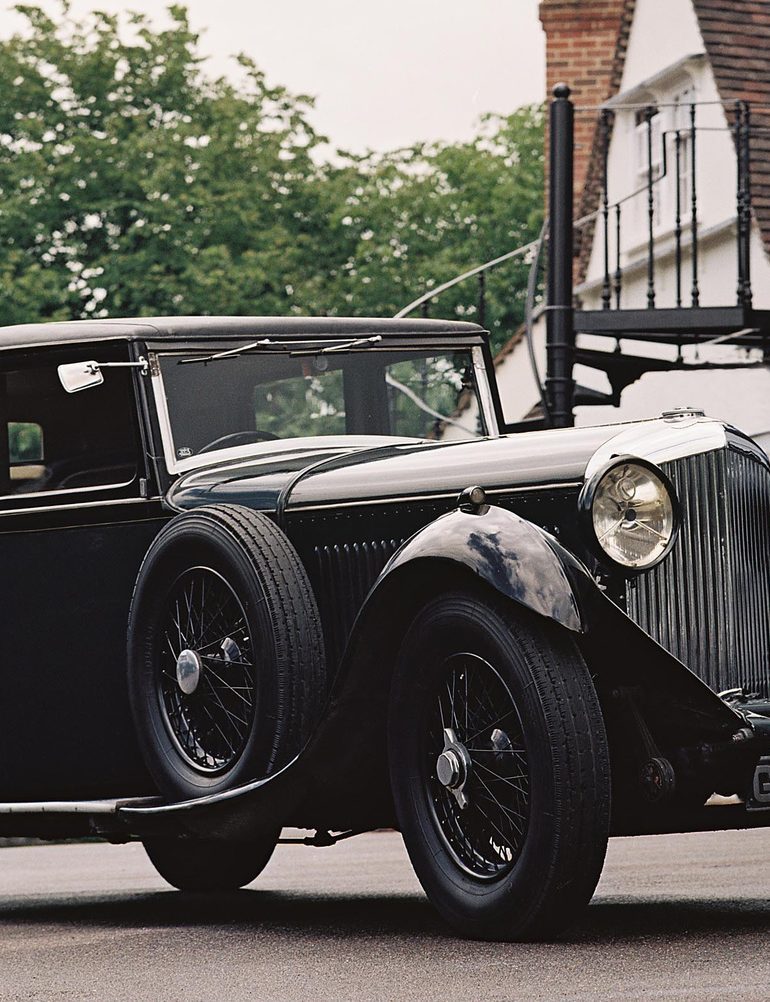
(227, 676)
(499, 767)
(207, 677)
(483, 812)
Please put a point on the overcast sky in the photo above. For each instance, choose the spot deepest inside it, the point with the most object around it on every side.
(384, 74)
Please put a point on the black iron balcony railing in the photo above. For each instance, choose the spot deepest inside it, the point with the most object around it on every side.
(672, 163)
(672, 159)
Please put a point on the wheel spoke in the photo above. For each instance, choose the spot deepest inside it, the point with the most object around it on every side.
(486, 835)
(508, 811)
(229, 687)
(229, 661)
(491, 726)
(230, 714)
(174, 654)
(215, 725)
(221, 640)
(177, 622)
(502, 779)
(210, 722)
(188, 600)
(465, 673)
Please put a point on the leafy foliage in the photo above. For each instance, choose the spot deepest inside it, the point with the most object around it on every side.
(132, 183)
(418, 217)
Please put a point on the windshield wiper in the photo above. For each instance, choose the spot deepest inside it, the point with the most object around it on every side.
(269, 343)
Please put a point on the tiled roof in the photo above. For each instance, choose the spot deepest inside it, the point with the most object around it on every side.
(737, 40)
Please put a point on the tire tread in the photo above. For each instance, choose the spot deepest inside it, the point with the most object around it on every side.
(270, 561)
(562, 688)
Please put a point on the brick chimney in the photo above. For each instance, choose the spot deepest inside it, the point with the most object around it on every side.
(585, 46)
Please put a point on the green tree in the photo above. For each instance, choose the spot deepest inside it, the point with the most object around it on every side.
(418, 217)
(132, 183)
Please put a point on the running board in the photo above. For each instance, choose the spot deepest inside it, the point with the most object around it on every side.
(66, 819)
(239, 813)
(77, 806)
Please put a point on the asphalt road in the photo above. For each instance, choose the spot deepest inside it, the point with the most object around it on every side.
(675, 917)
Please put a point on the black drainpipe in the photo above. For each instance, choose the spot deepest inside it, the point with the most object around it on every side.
(560, 328)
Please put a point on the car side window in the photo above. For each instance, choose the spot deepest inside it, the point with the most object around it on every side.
(428, 393)
(57, 441)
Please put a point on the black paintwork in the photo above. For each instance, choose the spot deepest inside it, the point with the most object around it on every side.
(346, 519)
(65, 730)
(207, 328)
(348, 506)
(419, 469)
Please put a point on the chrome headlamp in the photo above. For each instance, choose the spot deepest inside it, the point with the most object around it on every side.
(632, 512)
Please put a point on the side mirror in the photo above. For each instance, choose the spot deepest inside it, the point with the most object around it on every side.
(75, 376)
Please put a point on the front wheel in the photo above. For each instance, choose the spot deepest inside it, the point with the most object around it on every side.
(499, 767)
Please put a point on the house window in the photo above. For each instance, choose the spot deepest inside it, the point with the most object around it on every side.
(656, 127)
(681, 124)
(648, 145)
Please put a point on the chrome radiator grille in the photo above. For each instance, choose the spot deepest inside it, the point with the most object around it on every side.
(708, 603)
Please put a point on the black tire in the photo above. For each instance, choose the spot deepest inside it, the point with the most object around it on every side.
(522, 858)
(256, 690)
(209, 866)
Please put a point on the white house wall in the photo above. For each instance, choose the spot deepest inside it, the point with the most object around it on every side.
(740, 398)
(516, 381)
(661, 33)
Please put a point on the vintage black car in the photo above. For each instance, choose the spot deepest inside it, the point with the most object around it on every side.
(268, 572)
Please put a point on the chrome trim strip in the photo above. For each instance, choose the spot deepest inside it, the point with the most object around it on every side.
(576, 485)
(484, 394)
(77, 806)
(62, 807)
(661, 441)
(136, 808)
(73, 490)
(406, 498)
(161, 406)
(77, 507)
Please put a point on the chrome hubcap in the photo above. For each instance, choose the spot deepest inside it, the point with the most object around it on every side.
(188, 671)
(453, 766)
(448, 769)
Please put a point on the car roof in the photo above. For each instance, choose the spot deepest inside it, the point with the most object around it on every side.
(206, 328)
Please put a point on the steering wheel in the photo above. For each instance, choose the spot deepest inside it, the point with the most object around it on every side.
(238, 438)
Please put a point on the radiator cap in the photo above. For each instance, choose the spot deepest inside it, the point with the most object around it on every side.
(679, 413)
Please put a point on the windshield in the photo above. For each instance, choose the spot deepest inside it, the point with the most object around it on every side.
(267, 395)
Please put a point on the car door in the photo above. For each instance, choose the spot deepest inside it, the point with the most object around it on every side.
(77, 513)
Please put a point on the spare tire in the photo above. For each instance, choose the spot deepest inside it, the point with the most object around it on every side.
(226, 667)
